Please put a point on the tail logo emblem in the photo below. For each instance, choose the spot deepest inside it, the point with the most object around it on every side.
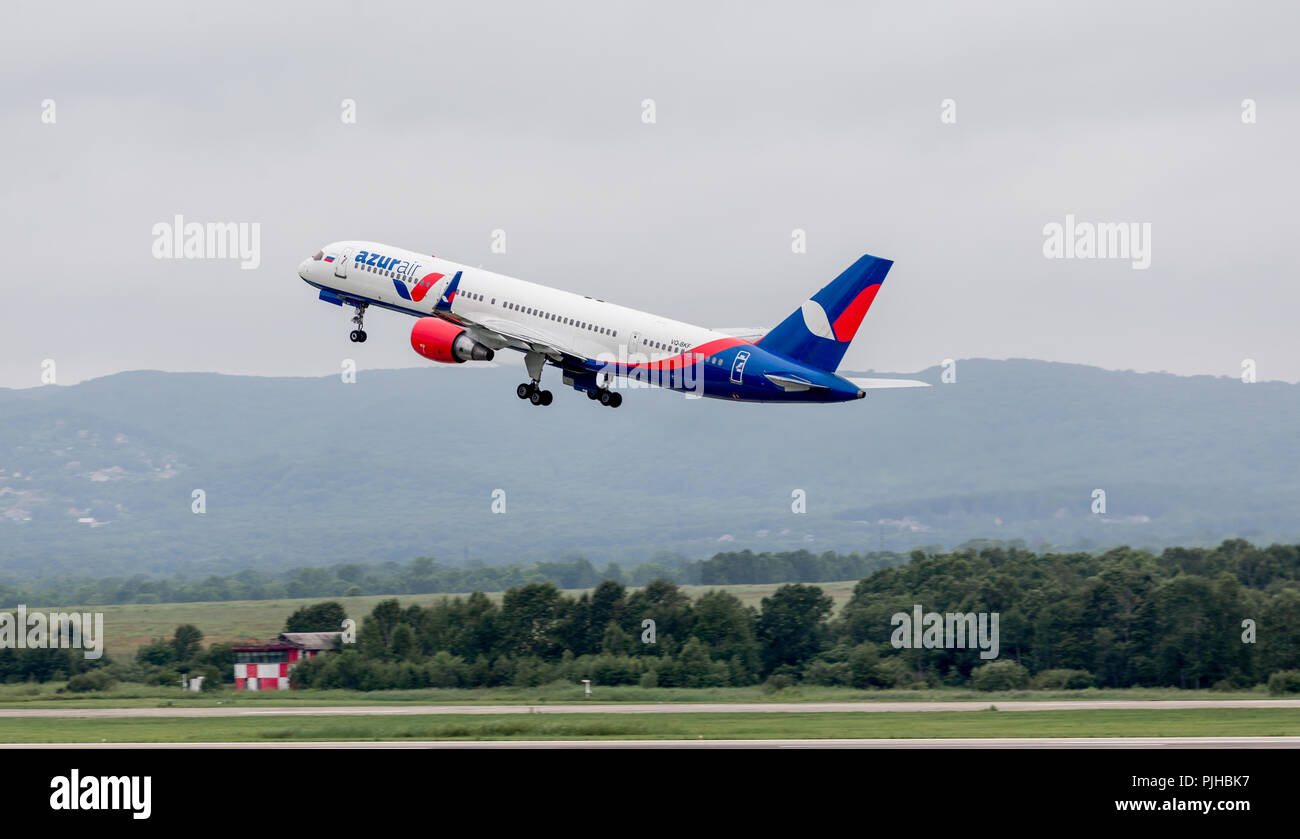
(814, 317)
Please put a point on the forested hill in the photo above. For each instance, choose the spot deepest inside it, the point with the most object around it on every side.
(99, 478)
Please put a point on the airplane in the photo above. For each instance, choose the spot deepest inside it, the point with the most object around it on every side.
(470, 314)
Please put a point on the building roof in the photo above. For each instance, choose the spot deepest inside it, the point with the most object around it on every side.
(293, 641)
(311, 640)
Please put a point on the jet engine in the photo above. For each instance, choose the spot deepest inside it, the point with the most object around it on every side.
(440, 340)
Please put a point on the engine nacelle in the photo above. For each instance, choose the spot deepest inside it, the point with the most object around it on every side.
(440, 340)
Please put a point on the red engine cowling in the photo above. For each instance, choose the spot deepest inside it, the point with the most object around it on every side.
(440, 340)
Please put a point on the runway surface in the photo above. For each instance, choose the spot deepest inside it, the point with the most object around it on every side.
(629, 708)
(946, 743)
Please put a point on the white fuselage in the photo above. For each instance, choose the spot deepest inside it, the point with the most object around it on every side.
(376, 274)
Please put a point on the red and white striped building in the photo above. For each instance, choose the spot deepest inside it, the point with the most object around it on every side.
(266, 666)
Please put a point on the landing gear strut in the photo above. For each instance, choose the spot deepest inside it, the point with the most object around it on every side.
(358, 335)
(532, 391)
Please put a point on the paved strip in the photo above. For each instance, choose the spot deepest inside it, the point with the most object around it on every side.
(649, 708)
(945, 743)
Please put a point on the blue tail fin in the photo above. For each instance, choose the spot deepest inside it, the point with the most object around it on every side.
(819, 331)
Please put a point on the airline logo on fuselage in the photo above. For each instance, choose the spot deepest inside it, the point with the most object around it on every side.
(417, 291)
(738, 367)
(449, 295)
(386, 263)
(406, 272)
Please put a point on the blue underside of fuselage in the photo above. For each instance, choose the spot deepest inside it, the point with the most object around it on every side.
(720, 381)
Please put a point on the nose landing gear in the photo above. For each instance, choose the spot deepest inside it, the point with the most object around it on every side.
(358, 335)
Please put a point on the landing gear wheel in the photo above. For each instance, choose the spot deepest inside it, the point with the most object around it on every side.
(606, 397)
(547, 396)
(615, 399)
(524, 391)
(535, 397)
(355, 337)
(361, 336)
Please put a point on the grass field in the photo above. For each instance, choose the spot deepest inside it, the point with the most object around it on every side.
(128, 627)
(130, 695)
(1109, 723)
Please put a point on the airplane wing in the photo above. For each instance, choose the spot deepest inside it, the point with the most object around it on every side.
(499, 332)
(871, 384)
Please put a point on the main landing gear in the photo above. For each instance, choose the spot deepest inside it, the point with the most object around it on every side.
(534, 394)
(358, 335)
(606, 397)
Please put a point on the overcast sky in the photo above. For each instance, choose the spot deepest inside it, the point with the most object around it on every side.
(768, 118)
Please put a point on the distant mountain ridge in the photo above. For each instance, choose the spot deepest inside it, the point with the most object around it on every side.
(100, 477)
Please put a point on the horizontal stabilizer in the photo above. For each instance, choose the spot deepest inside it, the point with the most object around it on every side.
(872, 384)
(791, 384)
(744, 333)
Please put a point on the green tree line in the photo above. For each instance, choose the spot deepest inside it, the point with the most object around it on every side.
(1189, 618)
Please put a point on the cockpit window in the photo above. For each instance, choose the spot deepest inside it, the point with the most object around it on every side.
(319, 256)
